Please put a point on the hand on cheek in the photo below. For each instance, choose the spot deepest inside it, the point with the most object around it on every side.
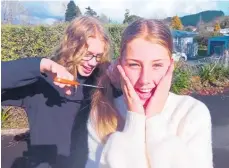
(157, 102)
(132, 99)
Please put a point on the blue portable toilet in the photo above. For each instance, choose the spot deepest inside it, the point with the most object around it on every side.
(217, 45)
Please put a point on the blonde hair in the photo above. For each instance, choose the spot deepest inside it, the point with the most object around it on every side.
(74, 43)
(105, 116)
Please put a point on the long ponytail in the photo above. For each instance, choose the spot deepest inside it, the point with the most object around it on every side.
(104, 115)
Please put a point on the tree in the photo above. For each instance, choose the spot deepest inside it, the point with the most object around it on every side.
(217, 27)
(225, 22)
(126, 16)
(104, 19)
(130, 18)
(176, 23)
(13, 12)
(90, 12)
(200, 25)
(72, 11)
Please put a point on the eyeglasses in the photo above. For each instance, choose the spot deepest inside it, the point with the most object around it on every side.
(89, 57)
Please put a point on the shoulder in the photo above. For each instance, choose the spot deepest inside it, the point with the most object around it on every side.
(120, 104)
(189, 106)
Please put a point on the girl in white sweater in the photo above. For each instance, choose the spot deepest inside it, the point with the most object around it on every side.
(147, 127)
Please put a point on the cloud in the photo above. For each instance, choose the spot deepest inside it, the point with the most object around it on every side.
(115, 9)
(56, 8)
(36, 20)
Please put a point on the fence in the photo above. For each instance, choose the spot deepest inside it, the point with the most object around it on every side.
(195, 66)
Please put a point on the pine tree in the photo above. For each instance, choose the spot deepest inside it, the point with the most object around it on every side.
(72, 11)
(176, 23)
(126, 16)
(90, 12)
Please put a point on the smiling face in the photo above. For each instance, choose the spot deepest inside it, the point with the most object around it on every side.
(92, 58)
(145, 63)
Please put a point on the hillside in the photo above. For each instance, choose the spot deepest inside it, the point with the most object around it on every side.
(205, 16)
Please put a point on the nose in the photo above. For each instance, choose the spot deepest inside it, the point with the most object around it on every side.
(145, 77)
(92, 62)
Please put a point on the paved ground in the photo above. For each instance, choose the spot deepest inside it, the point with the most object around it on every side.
(218, 106)
(11, 150)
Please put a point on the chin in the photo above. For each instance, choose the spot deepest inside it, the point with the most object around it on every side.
(82, 73)
(143, 102)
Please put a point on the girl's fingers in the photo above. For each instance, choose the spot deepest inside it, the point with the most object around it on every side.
(165, 81)
(126, 80)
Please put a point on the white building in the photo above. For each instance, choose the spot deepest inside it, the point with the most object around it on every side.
(183, 42)
(225, 32)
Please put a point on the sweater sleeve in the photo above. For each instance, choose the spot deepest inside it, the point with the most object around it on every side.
(20, 72)
(191, 147)
(127, 148)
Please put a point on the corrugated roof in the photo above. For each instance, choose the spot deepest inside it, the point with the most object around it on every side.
(219, 38)
(179, 33)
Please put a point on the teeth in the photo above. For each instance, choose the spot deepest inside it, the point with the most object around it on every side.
(145, 90)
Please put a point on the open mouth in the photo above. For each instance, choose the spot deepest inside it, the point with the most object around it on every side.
(87, 69)
(144, 94)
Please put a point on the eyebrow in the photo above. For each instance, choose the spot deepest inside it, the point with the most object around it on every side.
(99, 54)
(158, 60)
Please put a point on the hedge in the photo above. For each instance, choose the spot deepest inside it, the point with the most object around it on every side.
(29, 41)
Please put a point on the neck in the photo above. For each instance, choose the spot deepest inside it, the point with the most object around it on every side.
(81, 78)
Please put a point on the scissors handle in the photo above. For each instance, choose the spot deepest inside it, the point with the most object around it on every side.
(66, 81)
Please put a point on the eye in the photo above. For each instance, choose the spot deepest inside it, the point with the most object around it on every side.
(99, 56)
(158, 65)
(133, 65)
(88, 55)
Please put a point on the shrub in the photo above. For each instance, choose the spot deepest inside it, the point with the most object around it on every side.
(181, 79)
(29, 41)
(25, 41)
(5, 114)
(115, 32)
(213, 74)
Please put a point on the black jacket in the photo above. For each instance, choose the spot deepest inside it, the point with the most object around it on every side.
(57, 122)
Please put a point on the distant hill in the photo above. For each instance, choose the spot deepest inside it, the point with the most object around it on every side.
(205, 16)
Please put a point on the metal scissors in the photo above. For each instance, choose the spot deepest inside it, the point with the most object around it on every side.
(74, 83)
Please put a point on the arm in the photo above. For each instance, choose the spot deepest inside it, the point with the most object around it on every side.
(127, 148)
(190, 148)
(19, 76)
(20, 72)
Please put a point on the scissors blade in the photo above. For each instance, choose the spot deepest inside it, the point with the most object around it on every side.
(91, 86)
(74, 83)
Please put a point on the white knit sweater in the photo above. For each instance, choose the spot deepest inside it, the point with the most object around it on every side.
(178, 137)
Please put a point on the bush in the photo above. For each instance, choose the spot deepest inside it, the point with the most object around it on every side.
(181, 79)
(29, 41)
(213, 74)
(115, 32)
(25, 41)
(5, 115)
(201, 40)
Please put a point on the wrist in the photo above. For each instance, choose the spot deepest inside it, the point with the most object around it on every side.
(44, 64)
